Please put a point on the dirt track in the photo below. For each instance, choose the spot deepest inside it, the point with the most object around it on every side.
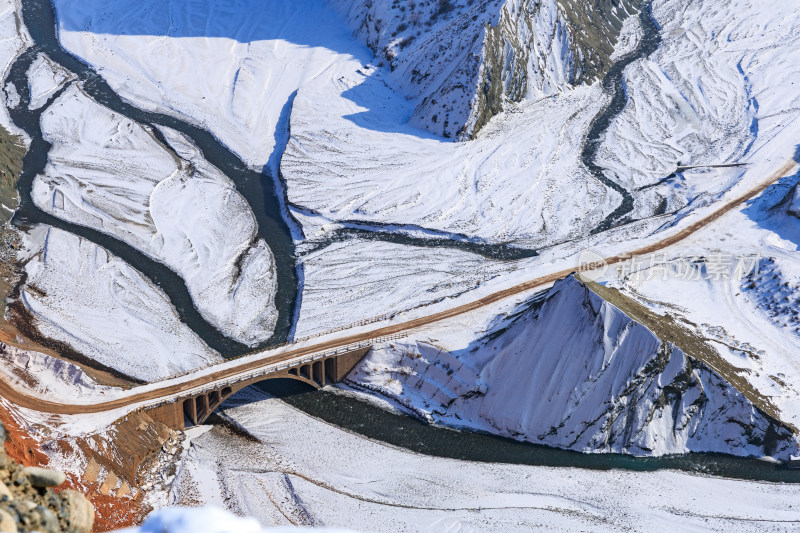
(25, 400)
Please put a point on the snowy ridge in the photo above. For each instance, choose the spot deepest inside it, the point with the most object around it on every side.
(460, 60)
(47, 375)
(578, 373)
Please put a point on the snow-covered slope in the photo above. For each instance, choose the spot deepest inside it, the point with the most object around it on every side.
(530, 190)
(79, 294)
(576, 372)
(460, 60)
(109, 173)
(387, 278)
(720, 88)
(230, 67)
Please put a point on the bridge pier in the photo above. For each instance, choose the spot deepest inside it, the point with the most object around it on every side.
(190, 408)
(195, 408)
(202, 407)
(318, 372)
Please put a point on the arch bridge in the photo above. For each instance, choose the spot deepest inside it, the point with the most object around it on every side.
(195, 406)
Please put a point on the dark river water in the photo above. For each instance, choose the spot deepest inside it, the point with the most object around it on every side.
(614, 84)
(257, 187)
(410, 433)
(260, 191)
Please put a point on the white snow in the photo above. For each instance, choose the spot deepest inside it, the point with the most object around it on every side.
(629, 37)
(44, 79)
(305, 471)
(383, 279)
(719, 89)
(230, 67)
(531, 191)
(111, 174)
(81, 295)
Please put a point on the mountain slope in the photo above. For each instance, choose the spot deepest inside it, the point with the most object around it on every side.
(578, 373)
(461, 59)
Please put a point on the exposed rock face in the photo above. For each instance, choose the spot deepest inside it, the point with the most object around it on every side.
(462, 59)
(579, 373)
(27, 504)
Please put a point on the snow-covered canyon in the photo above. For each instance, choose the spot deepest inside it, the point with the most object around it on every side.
(406, 145)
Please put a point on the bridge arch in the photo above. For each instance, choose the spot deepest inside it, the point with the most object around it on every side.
(194, 409)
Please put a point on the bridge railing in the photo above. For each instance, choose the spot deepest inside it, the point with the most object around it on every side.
(265, 371)
(299, 340)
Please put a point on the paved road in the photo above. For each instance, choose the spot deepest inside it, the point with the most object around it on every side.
(191, 381)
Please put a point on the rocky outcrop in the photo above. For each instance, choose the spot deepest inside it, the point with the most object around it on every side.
(461, 60)
(28, 502)
(12, 150)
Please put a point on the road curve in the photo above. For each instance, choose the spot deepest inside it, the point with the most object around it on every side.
(24, 399)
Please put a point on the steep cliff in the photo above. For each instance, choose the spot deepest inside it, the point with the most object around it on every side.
(577, 372)
(460, 60)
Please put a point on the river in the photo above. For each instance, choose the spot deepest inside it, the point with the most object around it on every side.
(259, 189)
(614, 84)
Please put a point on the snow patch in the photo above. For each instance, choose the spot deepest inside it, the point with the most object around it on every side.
(81, 295)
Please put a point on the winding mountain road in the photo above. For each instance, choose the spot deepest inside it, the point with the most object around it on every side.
(233, 369)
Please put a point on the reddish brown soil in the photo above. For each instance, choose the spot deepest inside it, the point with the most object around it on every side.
(20, 446)
(110, 513)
